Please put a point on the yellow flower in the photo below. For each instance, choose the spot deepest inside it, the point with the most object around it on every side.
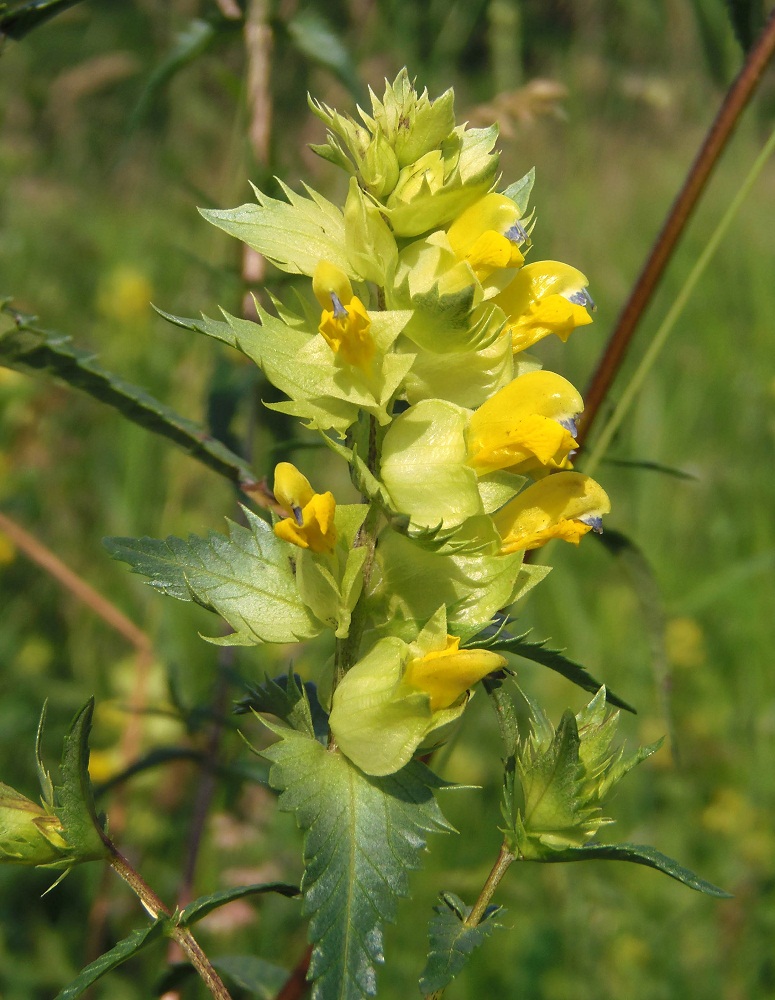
(311, 525)
(488, 235)
(446, 674)
(344, 323)
(527, 426)
(544, 297)
(566, 505)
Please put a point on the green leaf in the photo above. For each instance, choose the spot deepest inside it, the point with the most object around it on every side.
(288, 699)
(362, 838)
(74, 796)
(246, 578)
(520, 190)
(117, 955)
(639, 854)
(206, 904)
(19, 17)
(295, 234)
(33, 351)
(315, 38)
(504, 642)
(451, 942)
(255, 975)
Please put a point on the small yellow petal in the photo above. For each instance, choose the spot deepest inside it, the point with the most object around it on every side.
(481, 235)
(311, 524)
(446, 674)
(330, 281)
(291, 488)
(566, 505)
(346, 331)
(526, 424)
(543, 298)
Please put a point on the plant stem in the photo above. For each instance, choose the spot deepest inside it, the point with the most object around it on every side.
(504, 859)
(182, 935)
(667, 325)
(718, 135)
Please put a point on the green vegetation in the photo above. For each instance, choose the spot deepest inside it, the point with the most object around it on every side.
(117, 121)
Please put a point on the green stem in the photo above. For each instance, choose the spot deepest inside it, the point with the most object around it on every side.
(182, 935)
(666, 328)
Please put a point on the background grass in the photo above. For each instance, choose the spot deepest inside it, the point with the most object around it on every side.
(97, 220)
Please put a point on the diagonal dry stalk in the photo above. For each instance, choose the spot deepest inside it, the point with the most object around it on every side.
(719, 133)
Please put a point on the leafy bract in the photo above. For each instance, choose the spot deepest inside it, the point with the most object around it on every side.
(362, 838)
(32, 350)
(246, 578)
(73, 797)
(289, 699)
(452, 941)
(295, 234)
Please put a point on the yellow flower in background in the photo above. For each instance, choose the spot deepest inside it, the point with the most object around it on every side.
(488, 235)
(446, 674)
(311, 524)
(125, 294)
(545, 297)
(527, 426)
(344, 323)
(566, 505)
(7, 550)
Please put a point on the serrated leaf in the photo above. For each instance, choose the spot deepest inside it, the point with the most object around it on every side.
(452, 942)
(289, 700)
(74, 797)
(246, 578)
(117, 955)
(206, 904)
(555, 660)
(639, 854)
(33, 351)
(295, 234)
(362, 838)
(18, 18)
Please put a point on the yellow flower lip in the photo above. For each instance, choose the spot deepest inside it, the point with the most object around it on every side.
(311, 525)
(344, 322)
(488, 235)
(447, 674)
(546, 297)
(565, 505)
(529, 424)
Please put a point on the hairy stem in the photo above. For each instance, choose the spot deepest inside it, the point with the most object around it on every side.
(182, 935)
(718, 135)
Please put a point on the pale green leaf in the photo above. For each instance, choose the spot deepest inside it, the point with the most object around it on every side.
(520, 190)
(246, 578)
(362, 838)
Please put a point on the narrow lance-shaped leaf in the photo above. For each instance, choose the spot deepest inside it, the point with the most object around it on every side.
(33, 351)
(120, 953)
(452, 942)
(18, 18)
(362, 838)
(246, 578)
(199, 908)
(639, 854)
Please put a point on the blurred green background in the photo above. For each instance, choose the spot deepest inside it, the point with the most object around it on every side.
(117, 121)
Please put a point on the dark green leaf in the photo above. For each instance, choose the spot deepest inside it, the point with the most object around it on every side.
(363, 836)
(316, 39)
(124, 950)
(18, 17)
(451, 942)
(639, 854)
(747, 17)
(504, 642)
(31, 350)
(288, 699)
(666, 470)
(255, 975)
(206, 904)
(74, 797)
(246, 578)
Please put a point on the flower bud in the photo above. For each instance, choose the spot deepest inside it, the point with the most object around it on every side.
(29, 835)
